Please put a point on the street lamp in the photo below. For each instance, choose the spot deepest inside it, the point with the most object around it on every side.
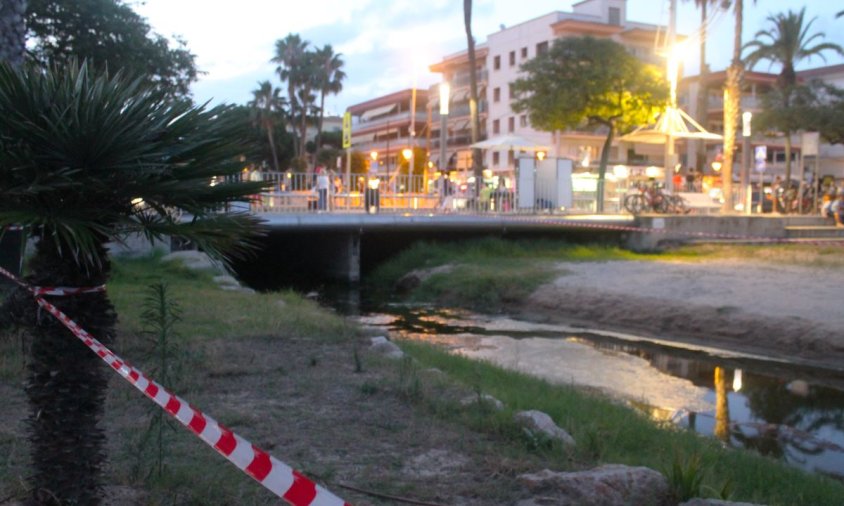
(746, 118)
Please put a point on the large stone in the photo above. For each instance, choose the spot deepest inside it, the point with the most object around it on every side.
(385, 347)
(540, 422)
(484, 399)
(610, 485)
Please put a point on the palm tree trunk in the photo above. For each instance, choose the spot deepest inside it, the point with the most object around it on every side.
(12, 31)
(602, 167)
(477, 161)
(291, 97)
(732, 104)
(271, 138)
(67, 382)
(319, 124)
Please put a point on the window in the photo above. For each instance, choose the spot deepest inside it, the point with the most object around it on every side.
(496, 63)
(541, 48)
(511, 157)
(524, 53)
(510, 91)
(511, 124)
(523, 120)
(496, 158)
(496, 126)
(615, 16)
(496, 94)
(512, 58)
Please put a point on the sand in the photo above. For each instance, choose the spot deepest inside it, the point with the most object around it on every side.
(780, 311)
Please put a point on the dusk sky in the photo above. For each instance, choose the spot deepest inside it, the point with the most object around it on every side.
(386, 42)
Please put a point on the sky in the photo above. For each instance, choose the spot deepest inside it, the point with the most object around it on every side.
(387, 45)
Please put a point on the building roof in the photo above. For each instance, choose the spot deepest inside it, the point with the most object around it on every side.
(385, 100)
(460, 58)
(720, 77)
(821, 71)
(585, 27)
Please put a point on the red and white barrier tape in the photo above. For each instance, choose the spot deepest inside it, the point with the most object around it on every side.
(276, 476)
(712, 235)
(63, 291)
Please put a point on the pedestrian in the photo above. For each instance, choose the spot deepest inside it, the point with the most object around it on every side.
(322, 185)
(690, 179)
(837, 208)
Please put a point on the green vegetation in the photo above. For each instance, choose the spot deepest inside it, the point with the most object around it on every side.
(608, 432)
(489, 272)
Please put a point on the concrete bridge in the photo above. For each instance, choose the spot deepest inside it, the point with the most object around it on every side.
(340, 246)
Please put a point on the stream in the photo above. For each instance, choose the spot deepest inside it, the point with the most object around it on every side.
(787, 411)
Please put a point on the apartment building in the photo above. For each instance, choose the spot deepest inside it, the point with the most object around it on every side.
(756, 85)
(506, 50)
(455, 71)
(381, 127)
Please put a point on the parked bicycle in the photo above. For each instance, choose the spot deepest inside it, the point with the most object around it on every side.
(652, 199)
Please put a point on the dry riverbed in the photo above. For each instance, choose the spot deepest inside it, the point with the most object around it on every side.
(780, 311)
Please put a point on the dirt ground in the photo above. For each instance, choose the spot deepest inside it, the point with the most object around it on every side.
(786, 312)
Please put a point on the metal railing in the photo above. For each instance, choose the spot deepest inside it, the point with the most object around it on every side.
(401, 193)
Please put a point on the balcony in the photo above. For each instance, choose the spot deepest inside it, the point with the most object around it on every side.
(399, 118)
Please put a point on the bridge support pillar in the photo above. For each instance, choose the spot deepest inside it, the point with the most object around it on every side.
(342, 261)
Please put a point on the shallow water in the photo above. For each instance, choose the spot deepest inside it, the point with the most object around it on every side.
(782, 410)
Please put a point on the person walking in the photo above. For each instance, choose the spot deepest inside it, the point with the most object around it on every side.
(322, 185)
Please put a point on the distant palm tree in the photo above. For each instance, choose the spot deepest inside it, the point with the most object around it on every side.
(12, 31)
(85, 160)
(330, 76)
(786, 43)
(477, 161)
(290, 55)
(267, 106)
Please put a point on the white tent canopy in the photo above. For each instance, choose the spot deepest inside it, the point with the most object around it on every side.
(510, 142)
(672, 123)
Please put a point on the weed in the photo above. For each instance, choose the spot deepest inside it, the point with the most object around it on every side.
(313, 361)
(368, 388)
(409, 383)
(358, 362)
(685, 478)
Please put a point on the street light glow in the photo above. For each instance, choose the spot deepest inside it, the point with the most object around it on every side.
(373, 155)
(407, 153)
(445, 94)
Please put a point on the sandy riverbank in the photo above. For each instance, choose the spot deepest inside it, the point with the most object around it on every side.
(788, 311)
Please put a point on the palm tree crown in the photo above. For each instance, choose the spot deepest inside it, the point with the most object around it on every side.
(787, 42)
(267, 107)
(291, 55)
(330, 76)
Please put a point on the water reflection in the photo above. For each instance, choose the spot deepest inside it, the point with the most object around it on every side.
(784, 411)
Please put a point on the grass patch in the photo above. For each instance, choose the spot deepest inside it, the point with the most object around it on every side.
(488, 272)
(609, 432)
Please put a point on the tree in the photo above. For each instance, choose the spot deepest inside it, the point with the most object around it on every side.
(86, 159)
(330, 78)
(291, 55)
(583, 81)
(477, 162)
(732, 106)
(12, 31)
(787, 42)
(109, 35)
(267, 108)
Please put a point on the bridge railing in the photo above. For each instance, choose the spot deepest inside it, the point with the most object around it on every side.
(400, 193)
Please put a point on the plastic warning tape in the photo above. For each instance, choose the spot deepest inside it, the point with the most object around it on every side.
(708, 235)
(63, 291)
(276, 476)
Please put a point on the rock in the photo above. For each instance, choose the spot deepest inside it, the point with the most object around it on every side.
(798, 387)
(434, 463)
(385, 347)
(715, 502)
(483, 399)
(608, 485)
(415, 277)
(540, 422)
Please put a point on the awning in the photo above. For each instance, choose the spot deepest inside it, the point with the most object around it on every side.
(382, 133)
(378, 111)
(672, 123)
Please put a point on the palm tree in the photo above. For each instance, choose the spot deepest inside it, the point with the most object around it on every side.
(330, 78)
(477, 162)
(732, 106)
(787, 42)
(290, 54)
(308, 84)
(267, 107)
(85, 160)
(12, 31)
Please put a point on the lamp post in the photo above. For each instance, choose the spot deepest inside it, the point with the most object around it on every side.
(445, 92)
(746, 119)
